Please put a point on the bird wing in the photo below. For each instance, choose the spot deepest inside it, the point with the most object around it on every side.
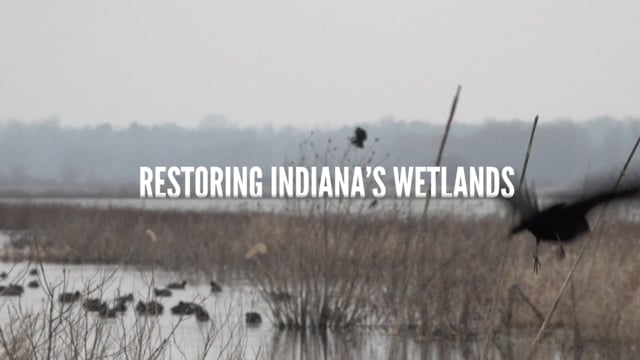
(586, 204)
(524, 202)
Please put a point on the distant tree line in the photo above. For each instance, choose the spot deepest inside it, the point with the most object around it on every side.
(46, 154)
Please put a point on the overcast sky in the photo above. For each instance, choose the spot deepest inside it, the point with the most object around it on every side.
(312, 62)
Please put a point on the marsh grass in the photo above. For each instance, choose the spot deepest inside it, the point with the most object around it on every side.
(184, 240)
(324, 270)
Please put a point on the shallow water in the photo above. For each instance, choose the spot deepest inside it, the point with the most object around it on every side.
(226, 308)
(467, 207)
(231, 336)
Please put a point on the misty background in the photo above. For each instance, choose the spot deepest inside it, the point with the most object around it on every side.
(306, 64)
(47, 158)
(129, 83)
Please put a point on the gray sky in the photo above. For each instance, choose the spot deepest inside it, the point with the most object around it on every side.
(309, 62)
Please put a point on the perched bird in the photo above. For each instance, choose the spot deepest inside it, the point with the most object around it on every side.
(3, 275)
(561, 222)
(359, 137)
(177, 286)
(34, 284)
(162, 292)
(69, 297)
(215, 287)
(33, 272)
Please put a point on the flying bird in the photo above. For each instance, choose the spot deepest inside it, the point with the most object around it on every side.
(561, 222)
(359, 137)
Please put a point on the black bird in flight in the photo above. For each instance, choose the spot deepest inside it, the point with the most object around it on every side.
(359, 137)
(561, 222)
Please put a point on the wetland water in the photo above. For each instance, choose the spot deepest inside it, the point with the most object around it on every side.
(467, 207)
(232, 335)
(227, 308)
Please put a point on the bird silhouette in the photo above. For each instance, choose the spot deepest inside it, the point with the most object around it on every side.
(215, 287)
(359, 137)
(120, 306)
(184, 308)
(124, 298)
(253, 318)
(562, 222)
(162, 292)
(94, 305)
(11, 290)
(108, 313)
(149, 308)
(68, 297)
(202, 314)
(177, 286)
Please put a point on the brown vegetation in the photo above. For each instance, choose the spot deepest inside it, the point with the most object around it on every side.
(326, 266)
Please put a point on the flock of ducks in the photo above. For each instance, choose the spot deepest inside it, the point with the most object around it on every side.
(15, 289)
(120, 304)
(151, 308)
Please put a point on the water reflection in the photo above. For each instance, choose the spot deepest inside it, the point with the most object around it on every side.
(368, 344)
(374, 344)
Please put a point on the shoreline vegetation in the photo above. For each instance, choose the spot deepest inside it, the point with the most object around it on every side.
(346, 269)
